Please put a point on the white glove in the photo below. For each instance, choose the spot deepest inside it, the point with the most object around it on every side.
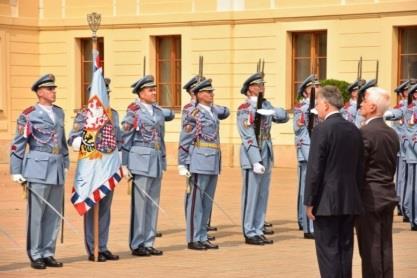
(76, 144)
(314, 111)
(265, 112)
(183, 171)
(388, 115)
(126, 172)
(18, 178)
(258, 168)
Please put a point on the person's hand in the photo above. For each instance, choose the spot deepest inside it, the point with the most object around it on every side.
(309, 211)
(183, 171)
(76, 144)
(258, 168)
(18, 178)
(314, 111)
(265, 112)
(126, 172)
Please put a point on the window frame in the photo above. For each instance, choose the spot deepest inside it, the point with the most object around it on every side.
(175, 84)
(314, 59)
(84, 83)
(400, 54)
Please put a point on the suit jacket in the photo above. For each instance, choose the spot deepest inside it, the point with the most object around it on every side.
(381, 147)
(334, 168)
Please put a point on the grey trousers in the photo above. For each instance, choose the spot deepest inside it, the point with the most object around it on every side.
(303, 220)
(144, 213)
(103, 222)
(200, 204)
(43, 222)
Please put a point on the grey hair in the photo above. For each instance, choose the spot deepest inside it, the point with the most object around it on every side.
(332, 96)
(379, 97)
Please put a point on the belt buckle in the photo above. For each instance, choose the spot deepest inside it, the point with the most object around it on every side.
(157, 146)
(55, 150)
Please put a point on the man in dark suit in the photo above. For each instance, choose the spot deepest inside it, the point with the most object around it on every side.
(374, 227)
(334, 176)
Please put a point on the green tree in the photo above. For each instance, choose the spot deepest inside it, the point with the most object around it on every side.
(340, 84)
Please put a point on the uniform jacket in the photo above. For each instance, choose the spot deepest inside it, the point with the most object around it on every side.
(349, 111)
(200, 142)
(335, 169)
(381, 146)
(302, 138)
(252, 151)
(47, 154)
(143, 148)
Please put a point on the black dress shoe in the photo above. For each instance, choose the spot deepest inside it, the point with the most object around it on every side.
(196, 246)
(255, 240)
(268, 232)
(308, 236)
(405, 219)
(158, 234)
(300, 228)
(109, 256)
(51, 262)
(267, 224)
(211, 238)
(101, 258)
(154, 252)
(38, 264)
(266, 240)
(209, 245)
(141, 251)
(211, 228)
(414, 228)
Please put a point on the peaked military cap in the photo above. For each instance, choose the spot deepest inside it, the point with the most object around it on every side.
(255, 78)
(412, 89)
(368, 84)
(145, 82)
(204, 85)
(356, 85)
(402, 87)
(47, 80)
(190, 85)
(312, 79)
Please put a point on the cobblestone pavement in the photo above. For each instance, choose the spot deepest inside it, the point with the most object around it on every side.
(289, 256)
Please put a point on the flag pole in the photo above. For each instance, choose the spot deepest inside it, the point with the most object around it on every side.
(94, 23)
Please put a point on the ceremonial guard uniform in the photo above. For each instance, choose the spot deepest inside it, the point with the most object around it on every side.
(256, 158)
(350, 109)
(410, 202)
(222, 113)
(74, 140)
(302, 144)
(396, 115)
(44, 166)
(144, 154)
(200, 150)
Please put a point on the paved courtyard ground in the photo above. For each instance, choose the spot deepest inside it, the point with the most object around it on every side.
(289, 256)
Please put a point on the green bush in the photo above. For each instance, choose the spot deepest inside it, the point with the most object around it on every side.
(340, 84)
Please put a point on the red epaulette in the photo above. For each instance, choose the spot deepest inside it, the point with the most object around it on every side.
(298, 105)
(347, 105)
(399, 105)
(28, 110)
(188, 105)
(411, 105)
(244, 106)
(133, 106)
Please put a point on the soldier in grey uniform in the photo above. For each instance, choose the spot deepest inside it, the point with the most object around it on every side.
(144, 155)
(256, 158)
(222, 113)
(43, 167)
(302, 144)
(396, 115)
(74, 140)
(200, 150)
(349, 110)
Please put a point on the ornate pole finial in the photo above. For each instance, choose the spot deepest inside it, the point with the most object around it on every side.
(94, 20)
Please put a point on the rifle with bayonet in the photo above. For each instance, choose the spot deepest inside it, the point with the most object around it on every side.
(257, 122)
